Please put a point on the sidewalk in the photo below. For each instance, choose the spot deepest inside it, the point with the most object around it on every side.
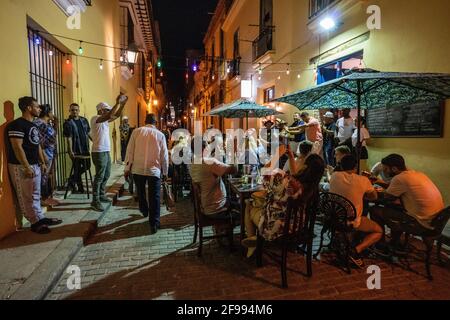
(32, 263)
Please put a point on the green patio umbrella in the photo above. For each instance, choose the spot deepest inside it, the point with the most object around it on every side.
(367, 88)
(242, 109)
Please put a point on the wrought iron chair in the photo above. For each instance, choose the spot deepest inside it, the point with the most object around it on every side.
(336, 212)
(228, 222)
(429, 236)
(298, 233)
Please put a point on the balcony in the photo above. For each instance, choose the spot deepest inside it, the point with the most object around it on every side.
(263, 44)
(317, 6)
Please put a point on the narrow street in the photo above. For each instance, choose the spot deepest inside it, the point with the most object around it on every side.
(121, 261)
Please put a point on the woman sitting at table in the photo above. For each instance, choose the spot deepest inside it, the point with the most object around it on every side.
(266, 210)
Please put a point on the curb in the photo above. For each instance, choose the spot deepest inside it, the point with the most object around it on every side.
(46, 276)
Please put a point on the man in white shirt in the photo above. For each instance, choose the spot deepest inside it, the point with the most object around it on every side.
(101, 147)
(421, 201)
(148, 159)
(313, 132)
(209, 174)
(356, 188)
(345, 127)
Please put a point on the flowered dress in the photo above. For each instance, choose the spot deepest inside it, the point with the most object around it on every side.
(280, 187)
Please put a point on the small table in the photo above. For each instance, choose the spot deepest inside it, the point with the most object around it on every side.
(244, 193)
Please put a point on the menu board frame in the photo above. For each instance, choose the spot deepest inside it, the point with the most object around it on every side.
(433, 104)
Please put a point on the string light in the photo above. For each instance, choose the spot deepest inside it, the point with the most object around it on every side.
(67, 60)
(161, 74)
(37, 40)
(279, 77)
(80, 49)
(213, 77)
(288, 71)
(50, 53)
(101, 65)
(259, 78)
(299, 76)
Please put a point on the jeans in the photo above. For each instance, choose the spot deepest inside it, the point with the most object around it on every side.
(123, 149)
(328, 151)
(46, 183)
(152, 205)
(28, 192)
(102, 163)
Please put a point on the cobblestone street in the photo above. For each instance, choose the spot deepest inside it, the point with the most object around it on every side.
(121, 261)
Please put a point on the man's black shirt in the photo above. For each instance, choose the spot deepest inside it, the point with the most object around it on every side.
(29, 132)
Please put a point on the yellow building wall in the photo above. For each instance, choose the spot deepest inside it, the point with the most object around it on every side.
(99, 24)
(414, 38)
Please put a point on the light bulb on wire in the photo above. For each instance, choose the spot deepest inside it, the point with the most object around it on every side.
(67, 60)
(288, 71)
(80, 49)
(101, 65)
(50, 53)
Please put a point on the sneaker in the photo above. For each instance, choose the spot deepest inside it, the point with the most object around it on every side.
(356, 259)
(105, 199)
(97, 206)
(40, 228)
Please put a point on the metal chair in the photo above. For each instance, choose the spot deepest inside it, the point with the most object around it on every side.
(336, 212)
(429, 236)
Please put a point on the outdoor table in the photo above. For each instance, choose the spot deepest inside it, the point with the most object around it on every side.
(244, 192)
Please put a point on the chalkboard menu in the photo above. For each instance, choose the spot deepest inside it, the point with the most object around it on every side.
(417, 120)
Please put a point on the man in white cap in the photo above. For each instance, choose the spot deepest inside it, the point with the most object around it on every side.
(124, 130)
(329, 130)
(101, 147)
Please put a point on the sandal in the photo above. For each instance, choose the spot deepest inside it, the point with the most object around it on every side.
(50, 222)
(40, 228)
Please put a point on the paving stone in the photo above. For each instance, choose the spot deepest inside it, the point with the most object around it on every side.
(124, 262)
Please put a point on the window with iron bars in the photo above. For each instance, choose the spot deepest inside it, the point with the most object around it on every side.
(46, 76)
(317, 6)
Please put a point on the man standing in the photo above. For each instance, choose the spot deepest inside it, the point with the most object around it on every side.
(147, 159)
(295, 140)
(24, 156)
(101, 147)
(329, 130)
(344, 128)
(124, 129)
(313, 132)
(76, 131)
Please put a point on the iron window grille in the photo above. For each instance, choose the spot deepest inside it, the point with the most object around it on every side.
(46, 76)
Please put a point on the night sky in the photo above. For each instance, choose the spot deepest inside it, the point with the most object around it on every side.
(183, 25)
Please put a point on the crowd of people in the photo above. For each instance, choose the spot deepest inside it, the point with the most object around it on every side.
(32, 148)
(311, 157)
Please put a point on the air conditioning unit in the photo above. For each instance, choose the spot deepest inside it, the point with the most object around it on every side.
(67, 6)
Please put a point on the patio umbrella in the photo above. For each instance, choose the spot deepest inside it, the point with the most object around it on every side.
(367, 88)
(243, 109)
